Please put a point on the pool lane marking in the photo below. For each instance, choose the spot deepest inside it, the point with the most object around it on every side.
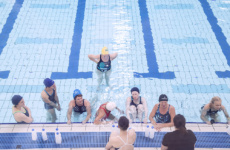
(7, 28)
(221, 38)
(75, 49)
(153, 69)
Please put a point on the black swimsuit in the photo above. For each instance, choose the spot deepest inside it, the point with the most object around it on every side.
(51, 98)
(26, 113)
(210, 112)
(79, 109)
(132, 103)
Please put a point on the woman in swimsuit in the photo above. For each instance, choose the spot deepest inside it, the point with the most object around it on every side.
(50, 99)
(103, 65)
(78, 105)
(21, 112)
(136, 106)
(104, 112)
(125, 139)
(163, 114)
(210, 111)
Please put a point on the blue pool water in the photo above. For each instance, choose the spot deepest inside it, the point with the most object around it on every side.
(180, 48)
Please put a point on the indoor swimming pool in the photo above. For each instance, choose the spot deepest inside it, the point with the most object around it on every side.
(178, 48)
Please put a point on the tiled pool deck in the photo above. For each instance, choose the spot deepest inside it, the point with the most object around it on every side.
(15, 128)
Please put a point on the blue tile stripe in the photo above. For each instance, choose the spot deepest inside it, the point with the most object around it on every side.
(53, 6)
(21, 88)
(149, 47)
(99, 139)
(7, 28)
(174, 6)
(75, 49)
(224, 5)
(222, 40)
(26, 40)
(195, 88)
(187, 40)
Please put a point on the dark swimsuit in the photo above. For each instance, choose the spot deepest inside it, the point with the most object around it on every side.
(51, 98)
(79, 109)
(132, 103)
(166, 118)
(104, 66)
(210, 112)
(26, 113)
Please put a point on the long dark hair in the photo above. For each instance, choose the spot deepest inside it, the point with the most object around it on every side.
(179, 123)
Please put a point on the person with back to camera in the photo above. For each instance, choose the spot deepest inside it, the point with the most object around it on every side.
(125, 139)
(136, 106)
(50, 99)
(21, 112)
(163, 113)
(180, 139)
(104, 112)
(210, 111)
(103, 65)
(78, 105)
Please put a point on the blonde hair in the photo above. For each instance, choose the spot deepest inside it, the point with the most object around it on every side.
(215, 98)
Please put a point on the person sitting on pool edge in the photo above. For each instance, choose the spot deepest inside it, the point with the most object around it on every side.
(50, 99)
(163, 113)
(123, 140)
(181, 138)
(103, 65)
(210, 111)
(21, 112)
(78, 105)
(136, 106)
(104, 112)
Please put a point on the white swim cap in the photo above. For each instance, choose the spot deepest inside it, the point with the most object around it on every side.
(110, 106)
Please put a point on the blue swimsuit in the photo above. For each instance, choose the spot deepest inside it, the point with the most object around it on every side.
(166, 118)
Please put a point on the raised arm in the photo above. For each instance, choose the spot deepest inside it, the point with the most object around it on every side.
(29, 111)
(23, 117)
(88, 109)
(94, 58)
(113, 56)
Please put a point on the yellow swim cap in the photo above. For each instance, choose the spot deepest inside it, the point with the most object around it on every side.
(104, 51)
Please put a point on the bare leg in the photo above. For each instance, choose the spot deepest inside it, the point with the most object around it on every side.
(99, 79)
(140, 111)
(133, 112)
(53, 114)
(107, 75)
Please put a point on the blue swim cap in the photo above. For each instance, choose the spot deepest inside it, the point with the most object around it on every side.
(16, 99)
(76, 93)
(48, 82)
